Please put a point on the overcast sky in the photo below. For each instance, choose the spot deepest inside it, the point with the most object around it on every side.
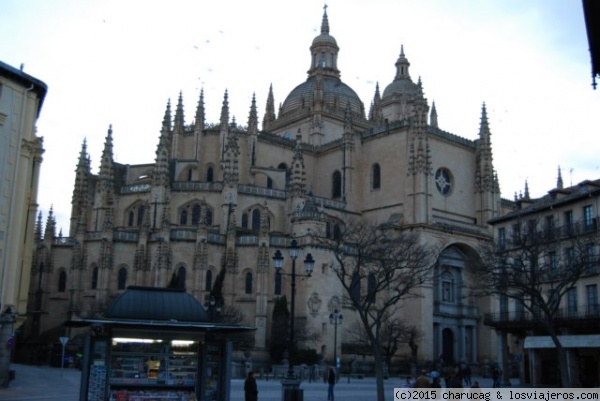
(118, 62)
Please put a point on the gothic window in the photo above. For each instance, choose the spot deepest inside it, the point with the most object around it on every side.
(283, 166)
(209, 174)
(208, 281)
(376, 176)
(443, 181)
(372, 287)
(337, 232)
(130, 218)
(183, 217)
(245, 220)
(336, 185)
(181, 277)
(208, 218)
(328, 230)
(62, 281)
(447, 287)
(256, 220)
(269, 182)
(122, 279)
(278, 283)
(95, 278)
(248, 283)
(140, 215)
(195, 215)
(355, 287)
(189, 175)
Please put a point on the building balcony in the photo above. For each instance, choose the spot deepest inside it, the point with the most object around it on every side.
(583, 315)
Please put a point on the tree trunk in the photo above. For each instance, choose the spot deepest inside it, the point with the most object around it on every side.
(379, 372)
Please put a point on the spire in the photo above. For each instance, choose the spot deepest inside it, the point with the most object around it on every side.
(106, 164)
(79, 200)
(559, 180)
(50, 232)
(160, 173)
(200, 118)
(269, 117)
(38, 227)
(179, 125)
(526, 195)
(324, 51)
(166, 124)
(402, 65)
(433, 119)
(485, 169)
(253, 117)
(376, 113)
(225, 111)
(325, 21)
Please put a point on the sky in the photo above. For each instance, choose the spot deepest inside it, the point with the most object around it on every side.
(119, 62)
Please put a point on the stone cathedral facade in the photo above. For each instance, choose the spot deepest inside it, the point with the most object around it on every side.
(228, 196)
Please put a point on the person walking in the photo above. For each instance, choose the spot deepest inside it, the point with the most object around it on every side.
(331, 383)
(250, 388)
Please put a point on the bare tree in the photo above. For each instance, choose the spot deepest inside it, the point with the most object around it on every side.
(378, 267)
(536, 270)
(394, 333)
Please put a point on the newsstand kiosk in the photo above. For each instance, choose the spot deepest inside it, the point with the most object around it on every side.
(156, 344)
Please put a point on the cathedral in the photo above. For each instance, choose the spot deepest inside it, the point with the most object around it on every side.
(227, 196)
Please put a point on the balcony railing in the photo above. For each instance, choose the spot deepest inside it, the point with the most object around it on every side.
(562, 316)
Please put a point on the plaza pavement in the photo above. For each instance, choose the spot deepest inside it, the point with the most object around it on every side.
(43, 383)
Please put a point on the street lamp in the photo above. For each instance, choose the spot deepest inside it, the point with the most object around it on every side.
(309, 264)
(335, 318)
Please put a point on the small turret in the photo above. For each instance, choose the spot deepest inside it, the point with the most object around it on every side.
(269, 117)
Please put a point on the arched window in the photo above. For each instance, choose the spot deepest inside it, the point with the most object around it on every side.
(355, 287)
(337, 232)
(208, 281)
(283, 166)
(208, 218)
(181, 277)
(278, 283)
(62, 281)
(95, 278)
(372, 287)
(189, 177)
(248, 286)
(447, 287)
(209, 174)
(256, 220)
(245, 220)
(195, 215)
(336, 184)
(376, 176)
(122, 279)
(130, 218)
(269, 182)
(183, 217)
(140, 215)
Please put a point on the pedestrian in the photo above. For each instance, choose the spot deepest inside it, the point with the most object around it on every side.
(422, 381)
(496, 374)
(250, 388)
(407, 383)
(330, 383)
(467, 375)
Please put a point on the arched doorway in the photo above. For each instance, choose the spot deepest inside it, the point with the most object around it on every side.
(448, 346)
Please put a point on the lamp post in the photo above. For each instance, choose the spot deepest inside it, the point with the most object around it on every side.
(335, 318)
(309, 264)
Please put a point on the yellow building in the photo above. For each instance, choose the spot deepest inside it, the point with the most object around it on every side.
(227, 195)
(21, 99)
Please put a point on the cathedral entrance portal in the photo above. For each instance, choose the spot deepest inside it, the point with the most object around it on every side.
(448, 346)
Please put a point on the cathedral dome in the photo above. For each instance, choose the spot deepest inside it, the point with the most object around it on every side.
(335, 93)
(324, 38)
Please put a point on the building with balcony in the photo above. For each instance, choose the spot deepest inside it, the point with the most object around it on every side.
(559, 235)
(227, 196)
